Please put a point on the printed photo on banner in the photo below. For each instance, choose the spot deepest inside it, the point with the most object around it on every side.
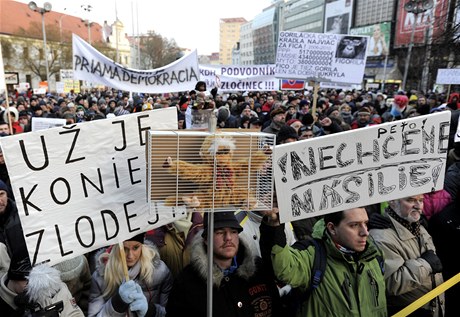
(321, 57)
(361, 167)
(83, 186)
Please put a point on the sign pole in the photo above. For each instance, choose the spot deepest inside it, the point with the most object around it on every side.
(315, 100)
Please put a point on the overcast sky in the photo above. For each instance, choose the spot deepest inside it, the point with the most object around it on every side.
(193, 24)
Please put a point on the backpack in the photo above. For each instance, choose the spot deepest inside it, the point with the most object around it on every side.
(294, 299)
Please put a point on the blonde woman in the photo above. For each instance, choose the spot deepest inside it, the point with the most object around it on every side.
(145, 294)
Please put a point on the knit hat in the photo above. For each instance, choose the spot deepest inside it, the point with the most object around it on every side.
(276, 111)
(286, 132)
(221, 220)
(292, 121)
(139, 238)
(364, 111)
(399, 105)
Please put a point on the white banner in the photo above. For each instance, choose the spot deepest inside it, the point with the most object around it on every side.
(83, 186)
(46, 123)
(361, 167)
(448, 76)
(321, 57)
(239, 77)
(90, 65)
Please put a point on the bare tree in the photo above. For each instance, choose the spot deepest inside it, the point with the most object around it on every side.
(157, 51)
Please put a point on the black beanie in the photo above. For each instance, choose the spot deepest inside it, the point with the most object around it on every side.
(138, 238)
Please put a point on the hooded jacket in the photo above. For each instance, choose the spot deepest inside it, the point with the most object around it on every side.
(156, 293)
(352, 285)
(248, 291)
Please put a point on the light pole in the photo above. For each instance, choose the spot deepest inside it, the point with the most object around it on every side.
(46, 8)
(88, 23)
(416, 7)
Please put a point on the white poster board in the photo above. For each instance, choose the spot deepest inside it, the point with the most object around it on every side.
(361, 167)
(321, 57)
(448, 76)
(240, 77)
(83, 186)
(46, 123)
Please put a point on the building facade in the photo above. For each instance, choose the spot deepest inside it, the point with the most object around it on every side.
(229, 36)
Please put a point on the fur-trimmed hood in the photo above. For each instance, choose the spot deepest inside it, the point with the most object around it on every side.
(199, 260)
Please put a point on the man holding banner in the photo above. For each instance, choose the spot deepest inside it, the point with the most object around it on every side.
(353, 283)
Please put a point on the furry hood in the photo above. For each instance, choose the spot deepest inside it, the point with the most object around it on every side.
(102, 256)
(44, 283)
(199, 261)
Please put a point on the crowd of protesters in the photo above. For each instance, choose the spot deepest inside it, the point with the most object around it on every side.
(93, 285)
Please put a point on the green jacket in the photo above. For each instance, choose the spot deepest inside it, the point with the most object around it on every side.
(350, 287)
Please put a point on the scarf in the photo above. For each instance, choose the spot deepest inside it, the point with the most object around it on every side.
(413, 227)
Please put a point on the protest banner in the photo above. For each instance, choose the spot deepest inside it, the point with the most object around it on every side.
(239, 77)
(361, 167)
(321, 57)
(83, 186)
(448, 76)
(90, 65)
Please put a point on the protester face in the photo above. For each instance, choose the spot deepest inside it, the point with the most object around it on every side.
(306, 134)
(4, 128)
(226, 243)
(364, 117)
(352, 231)
(280, 118)
(133, 250)
(3, 201)
(270, 100)
(246, 112)
(409, 208)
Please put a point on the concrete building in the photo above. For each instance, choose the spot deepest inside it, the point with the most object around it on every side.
(265, 30)
(246, 44)
(229, 36)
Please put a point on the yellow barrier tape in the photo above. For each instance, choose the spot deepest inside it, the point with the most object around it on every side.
(428, 296)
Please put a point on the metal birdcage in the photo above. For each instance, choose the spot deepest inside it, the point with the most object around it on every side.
(222, 171)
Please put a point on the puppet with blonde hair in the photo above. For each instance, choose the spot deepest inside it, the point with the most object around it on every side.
(232, 176)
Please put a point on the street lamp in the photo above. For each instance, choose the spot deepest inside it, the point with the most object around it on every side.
(416, 7)
(46, 8)
(88, 24)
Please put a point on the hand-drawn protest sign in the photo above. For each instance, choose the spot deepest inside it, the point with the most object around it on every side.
(448, 76)
(361, 167)
(83, 186)
(90, 65)
(321, 57)
(240, 77)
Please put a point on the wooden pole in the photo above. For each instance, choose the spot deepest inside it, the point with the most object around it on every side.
(315, 100)
(123, 260)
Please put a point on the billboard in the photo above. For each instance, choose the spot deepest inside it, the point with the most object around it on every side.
(338, 16)
(379, 38)
(434, 18)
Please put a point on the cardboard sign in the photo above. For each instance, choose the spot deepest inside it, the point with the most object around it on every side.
(361, 167)
(83, 186)
(321, 57)
(448, 76)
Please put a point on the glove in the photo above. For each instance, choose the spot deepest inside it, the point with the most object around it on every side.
(139, 305)
(122, 298)
(433, 260)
